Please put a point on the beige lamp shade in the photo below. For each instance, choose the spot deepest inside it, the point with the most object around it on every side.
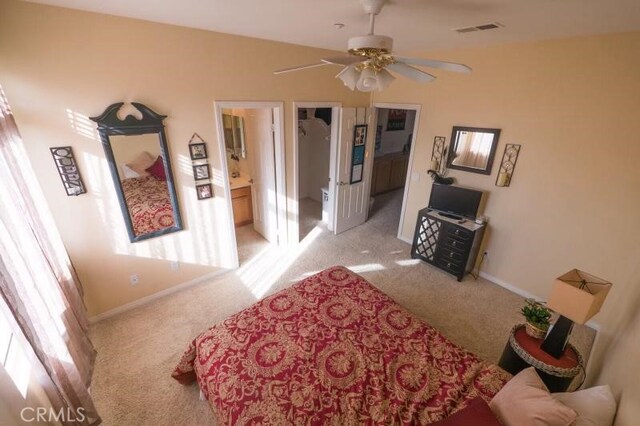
(578, 295)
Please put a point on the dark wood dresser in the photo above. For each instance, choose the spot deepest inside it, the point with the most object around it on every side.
(446, 243)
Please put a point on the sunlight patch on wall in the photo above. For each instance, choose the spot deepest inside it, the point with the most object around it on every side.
(100, 185)
(184, 165)
(194, 244)
(217, 178)
(82, 125)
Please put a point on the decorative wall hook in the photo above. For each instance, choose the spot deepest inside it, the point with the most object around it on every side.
(196, 135)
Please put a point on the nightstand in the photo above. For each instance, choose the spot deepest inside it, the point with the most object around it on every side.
(522, 351)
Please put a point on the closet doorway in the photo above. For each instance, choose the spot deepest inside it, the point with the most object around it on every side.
(315, 145)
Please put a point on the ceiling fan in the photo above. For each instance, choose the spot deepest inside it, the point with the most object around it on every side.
(367, 66)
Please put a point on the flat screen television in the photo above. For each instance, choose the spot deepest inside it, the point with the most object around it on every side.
(455, 201)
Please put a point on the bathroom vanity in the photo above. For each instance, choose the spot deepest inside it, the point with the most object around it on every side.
(241, 200)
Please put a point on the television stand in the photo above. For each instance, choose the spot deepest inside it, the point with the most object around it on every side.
(447, 243)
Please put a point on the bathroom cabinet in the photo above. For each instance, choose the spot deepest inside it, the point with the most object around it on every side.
(389, 172)
(242, 206)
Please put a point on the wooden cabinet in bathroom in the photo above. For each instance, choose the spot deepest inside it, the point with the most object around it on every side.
(242, 206)
(389, 172)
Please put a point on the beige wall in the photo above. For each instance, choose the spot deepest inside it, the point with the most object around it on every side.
(60, 66)
(575, 195)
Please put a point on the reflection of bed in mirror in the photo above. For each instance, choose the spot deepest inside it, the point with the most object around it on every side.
(143, 181)
(149, 204)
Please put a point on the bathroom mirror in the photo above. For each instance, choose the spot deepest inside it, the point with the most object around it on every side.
(234, 134)
(138, 157)
(472, 149)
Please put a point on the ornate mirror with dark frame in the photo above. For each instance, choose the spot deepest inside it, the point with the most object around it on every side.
(472, 149)
(138, 157)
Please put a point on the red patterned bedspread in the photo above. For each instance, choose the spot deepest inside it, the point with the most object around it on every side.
(149, 204)
(332, 349)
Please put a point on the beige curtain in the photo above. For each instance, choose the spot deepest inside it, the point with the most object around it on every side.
(38, 283)
(473, 149)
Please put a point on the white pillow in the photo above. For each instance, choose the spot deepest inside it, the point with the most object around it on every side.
(129, 173)
(141, 163)
(595, 406)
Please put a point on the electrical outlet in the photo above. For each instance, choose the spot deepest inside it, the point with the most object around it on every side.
(134, 279)
(175, 266)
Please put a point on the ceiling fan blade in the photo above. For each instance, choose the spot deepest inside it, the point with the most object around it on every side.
(410, 72)
(300, 67)
(343, 60)
(449, 66)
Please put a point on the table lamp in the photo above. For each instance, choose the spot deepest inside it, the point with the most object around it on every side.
(576, 296)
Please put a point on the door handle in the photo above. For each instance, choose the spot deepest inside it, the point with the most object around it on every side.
(342, 183)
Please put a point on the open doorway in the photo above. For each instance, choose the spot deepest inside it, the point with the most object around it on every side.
(315, 143)
(253, 166)
(396, 128)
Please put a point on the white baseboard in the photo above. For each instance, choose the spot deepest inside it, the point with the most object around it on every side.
(512, 288)
(520, 292)
(148, 299)
(405, 239)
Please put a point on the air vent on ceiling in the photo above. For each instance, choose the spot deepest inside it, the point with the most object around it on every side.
(484, 27)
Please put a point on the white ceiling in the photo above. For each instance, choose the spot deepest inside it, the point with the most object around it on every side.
(415, 25)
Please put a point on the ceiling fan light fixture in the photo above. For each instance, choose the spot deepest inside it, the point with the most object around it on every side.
(385, 78)
(349, 76)
(368, 80)
(370, 59)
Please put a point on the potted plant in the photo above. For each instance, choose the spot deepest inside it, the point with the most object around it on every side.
(537, 316)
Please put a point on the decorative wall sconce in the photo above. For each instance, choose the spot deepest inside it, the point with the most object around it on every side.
(438, 152)
(68, 170)
(508, 164)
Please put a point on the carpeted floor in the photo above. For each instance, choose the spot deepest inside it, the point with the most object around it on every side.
(310, 216)
(250, 243)
(137, 350)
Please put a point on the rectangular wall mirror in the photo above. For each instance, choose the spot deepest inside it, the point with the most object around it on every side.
(234, 134)
(472, 149)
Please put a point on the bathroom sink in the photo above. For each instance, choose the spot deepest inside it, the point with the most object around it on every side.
(239, 182)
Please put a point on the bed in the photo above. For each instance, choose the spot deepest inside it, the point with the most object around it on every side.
(332, 349)
(148, 203)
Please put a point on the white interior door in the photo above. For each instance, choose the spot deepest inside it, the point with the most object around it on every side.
(352, 199)
(261, 133)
